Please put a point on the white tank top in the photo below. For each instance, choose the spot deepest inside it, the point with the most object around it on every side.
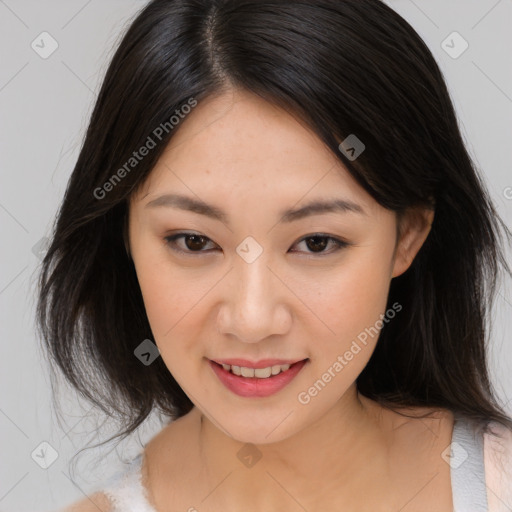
(480, 471)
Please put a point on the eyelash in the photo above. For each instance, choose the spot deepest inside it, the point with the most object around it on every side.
(338, 244)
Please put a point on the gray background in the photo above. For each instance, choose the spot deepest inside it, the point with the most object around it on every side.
(44, 108)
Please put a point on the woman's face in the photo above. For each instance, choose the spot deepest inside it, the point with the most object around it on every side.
(257, 283)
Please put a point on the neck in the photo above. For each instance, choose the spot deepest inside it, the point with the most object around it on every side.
(332, 453)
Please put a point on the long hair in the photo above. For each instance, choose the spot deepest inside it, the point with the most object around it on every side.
(343, 67)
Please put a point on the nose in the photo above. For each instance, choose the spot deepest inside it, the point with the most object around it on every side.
(254, 305)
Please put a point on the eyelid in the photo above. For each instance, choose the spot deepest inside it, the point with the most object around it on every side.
(338, 242)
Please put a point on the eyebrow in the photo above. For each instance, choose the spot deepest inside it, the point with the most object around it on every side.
(290, 215)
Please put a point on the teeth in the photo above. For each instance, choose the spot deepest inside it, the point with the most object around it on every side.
(247, 372)
(259, 373)
(276, 369)
(263, 373)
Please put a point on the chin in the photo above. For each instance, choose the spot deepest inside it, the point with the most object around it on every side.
(250, 435)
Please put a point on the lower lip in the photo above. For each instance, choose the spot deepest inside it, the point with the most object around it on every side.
(254, 387)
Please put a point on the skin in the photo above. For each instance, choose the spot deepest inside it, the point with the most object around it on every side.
(253, 160)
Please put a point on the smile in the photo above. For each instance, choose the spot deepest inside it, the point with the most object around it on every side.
(258, 373)
(256, 382)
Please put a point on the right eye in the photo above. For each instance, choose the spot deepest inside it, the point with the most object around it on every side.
(193, 242)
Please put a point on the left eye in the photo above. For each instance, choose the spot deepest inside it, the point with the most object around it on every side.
(194, 243)
(319, 241)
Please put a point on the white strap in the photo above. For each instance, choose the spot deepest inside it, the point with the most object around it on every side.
(467, 468)
(126, 492)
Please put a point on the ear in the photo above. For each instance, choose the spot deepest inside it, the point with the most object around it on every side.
(413, 227)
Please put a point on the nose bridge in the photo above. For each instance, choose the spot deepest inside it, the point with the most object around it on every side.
(253, 283)
(253, 307)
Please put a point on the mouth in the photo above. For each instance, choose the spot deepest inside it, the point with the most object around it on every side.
(256, 382)
(256, 370)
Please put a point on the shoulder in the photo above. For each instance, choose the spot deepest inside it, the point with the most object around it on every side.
(498, 465)
(94, 503)
(498, 445)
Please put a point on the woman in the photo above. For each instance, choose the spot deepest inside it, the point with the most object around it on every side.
(275, 236)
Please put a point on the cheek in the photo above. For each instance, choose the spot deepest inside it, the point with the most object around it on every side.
(158, 297)
(165, 297)
(365, 289)
(174, 301)
(353, 299)
(169, 302)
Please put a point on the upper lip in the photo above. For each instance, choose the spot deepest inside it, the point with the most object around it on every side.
(262, 363)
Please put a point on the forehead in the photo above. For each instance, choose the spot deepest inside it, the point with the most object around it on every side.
(238, 143)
